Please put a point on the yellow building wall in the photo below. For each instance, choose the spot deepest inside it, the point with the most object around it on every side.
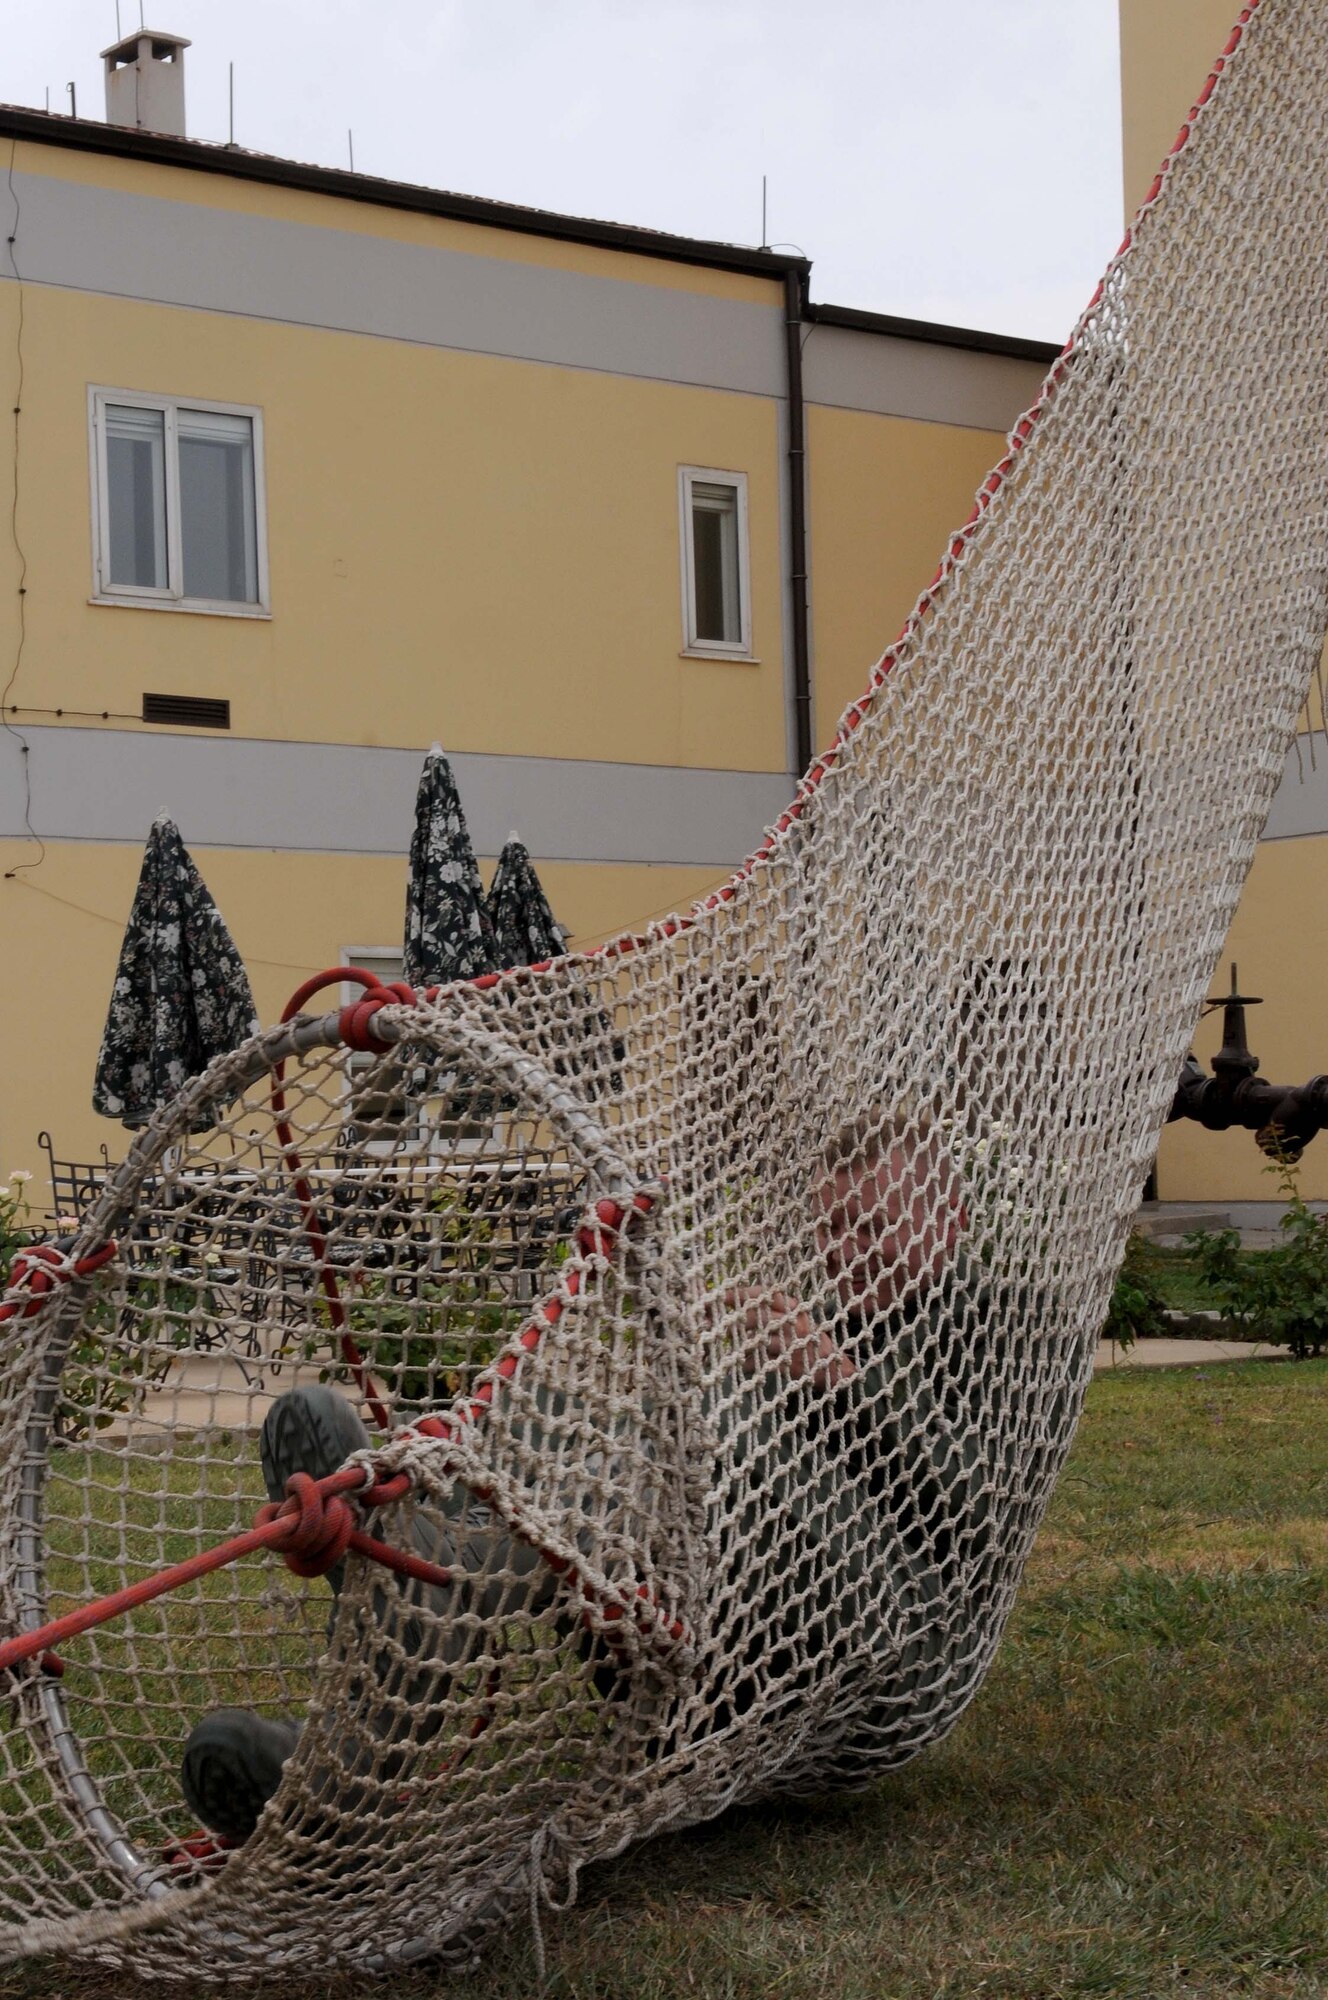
(1168, 48)
(886, 494)
(473, 549)
(1278, 937)
(462, 547)
(465, 548)
(290, 915)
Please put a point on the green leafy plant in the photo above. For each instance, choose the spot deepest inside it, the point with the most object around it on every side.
(116, 1349)
(15, 1235)
(1280, 1296)
(1138, 1309)
(428, 1332)
(125, 1345)
(428, 1344)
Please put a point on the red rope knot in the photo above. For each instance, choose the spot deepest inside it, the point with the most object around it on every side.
(321, 1526)
(597, 1238)
(199, 1850)
(37, 1270)
(355, 1023)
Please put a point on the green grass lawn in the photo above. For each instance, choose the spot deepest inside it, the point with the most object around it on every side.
(1136, 1804)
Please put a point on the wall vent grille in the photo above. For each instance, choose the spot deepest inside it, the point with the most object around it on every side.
(187, 711)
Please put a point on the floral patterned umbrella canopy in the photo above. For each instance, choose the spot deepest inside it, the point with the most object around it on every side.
(523, 924)
(448, 932)
(181, 993)
(527, 933)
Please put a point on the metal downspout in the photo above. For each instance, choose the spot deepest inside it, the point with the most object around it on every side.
(795, 301)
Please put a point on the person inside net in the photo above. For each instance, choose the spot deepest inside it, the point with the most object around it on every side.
(888, 1216)
(873, 1478)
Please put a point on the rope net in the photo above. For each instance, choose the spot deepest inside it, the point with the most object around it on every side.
(718, 1306)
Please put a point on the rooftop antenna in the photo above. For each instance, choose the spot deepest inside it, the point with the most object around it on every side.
(73, 100)
(764, 241)
(48, 97)
(350, 143)
(119, 31)
(231, 140)
(140, 16)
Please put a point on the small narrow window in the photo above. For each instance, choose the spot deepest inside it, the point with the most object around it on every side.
(177, 503)
(136, 496)
(716, 607)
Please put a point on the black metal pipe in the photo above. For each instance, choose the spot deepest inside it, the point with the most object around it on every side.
(795, 312)
(1283, 1116)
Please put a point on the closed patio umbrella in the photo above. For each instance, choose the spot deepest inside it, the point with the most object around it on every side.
(523, 924)
(448, 932)
(527, 933)
(181, 994)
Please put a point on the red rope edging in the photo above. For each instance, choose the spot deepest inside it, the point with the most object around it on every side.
(38, 1269)
(351, 1026)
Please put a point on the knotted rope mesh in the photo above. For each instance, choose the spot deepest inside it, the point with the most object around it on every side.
(733, 1498)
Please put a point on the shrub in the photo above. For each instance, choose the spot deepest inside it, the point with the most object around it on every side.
(428, 1331)
(1280, 1296)
(430, 1343)
(109, 1360)
(1138, 1310)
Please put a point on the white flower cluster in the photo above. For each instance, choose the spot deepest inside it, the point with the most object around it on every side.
(995, 1165)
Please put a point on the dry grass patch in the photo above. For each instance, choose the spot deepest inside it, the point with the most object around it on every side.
(1211, 1547)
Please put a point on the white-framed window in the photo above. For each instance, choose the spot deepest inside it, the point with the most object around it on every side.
(382, 1115)
(387, 962)
(403, 1117)
(178, 514)
(716, 589)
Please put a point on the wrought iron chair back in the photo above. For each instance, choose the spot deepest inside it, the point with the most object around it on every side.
(75, 1184)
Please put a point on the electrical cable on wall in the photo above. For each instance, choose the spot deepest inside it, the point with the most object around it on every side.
(76, 714)
(116, 923)
(5, 723)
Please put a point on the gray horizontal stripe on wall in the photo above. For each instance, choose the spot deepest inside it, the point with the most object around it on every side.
(108, 784)
(219, 260)
(1300, 805)
(852, 370)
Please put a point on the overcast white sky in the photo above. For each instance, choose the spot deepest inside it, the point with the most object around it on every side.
(956, 160)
